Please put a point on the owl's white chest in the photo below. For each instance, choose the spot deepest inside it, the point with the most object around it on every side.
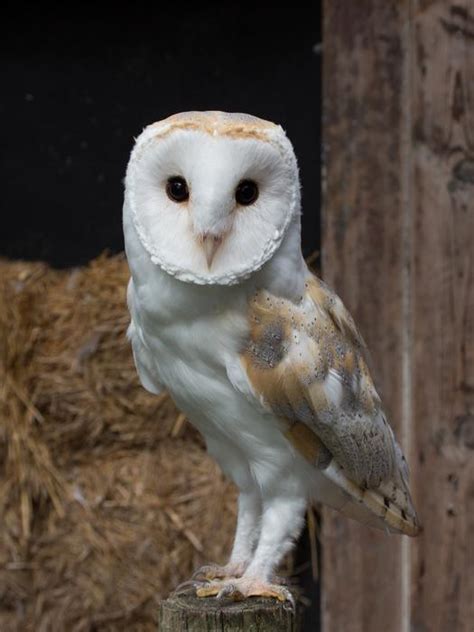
(193, 336)
(194, 341)
(187, 339)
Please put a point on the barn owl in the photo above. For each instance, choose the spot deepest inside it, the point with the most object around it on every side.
(261, 356)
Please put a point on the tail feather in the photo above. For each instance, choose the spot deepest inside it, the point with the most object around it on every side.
(387, 506)
(390, 503)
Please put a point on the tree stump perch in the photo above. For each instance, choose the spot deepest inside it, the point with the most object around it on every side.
(191, 614)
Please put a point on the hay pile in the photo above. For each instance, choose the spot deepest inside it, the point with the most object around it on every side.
(107, 498)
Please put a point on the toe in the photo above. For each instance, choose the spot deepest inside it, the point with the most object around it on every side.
(285, 595)
(209, 571)
(274, 591)
(209, 590)
(214, 571)
(188, 586)
(230, 590)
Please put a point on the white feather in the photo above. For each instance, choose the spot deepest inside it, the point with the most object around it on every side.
(333, 389)
(213, 166)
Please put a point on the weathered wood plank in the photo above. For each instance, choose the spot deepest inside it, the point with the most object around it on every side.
(363, 259)
(443, 305)
(398, 245)
(191, 614)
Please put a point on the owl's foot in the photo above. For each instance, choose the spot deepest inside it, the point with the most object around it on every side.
(243, 587)
(210, 572)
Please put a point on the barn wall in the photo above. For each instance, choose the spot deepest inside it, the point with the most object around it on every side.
(398, 234)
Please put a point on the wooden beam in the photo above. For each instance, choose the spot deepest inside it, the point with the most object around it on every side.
(363, 259)
(443, 314)
(398, 235)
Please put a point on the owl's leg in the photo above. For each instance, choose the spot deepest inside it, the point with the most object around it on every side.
(282, 521)
(246, 537)
(248, 528)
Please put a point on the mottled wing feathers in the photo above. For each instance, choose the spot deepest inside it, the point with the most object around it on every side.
(305, 362)
(334, 308)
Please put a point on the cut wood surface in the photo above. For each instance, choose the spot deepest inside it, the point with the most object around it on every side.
(191, 614)
(398, 241)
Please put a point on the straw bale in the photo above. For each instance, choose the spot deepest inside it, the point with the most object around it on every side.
(107, 497)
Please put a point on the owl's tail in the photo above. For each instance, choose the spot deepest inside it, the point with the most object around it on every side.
(387, 506)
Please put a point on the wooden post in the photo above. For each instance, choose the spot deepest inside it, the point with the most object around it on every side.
(398, 241)
(191, 614)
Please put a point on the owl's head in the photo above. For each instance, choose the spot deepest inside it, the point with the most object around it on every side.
(211, 195)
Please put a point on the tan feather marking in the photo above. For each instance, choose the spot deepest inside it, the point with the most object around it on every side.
(394, 516)
(308, 445)
(334, 307)
(217, 123)
(347, 362)
(300, 380)
(368, 396)
(318, 396)
(290, 383)
(218, 118)
(306, 362)
(317, 292)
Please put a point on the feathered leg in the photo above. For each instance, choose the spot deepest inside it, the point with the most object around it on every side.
(246, 537)
(248, 528)
(282, 521)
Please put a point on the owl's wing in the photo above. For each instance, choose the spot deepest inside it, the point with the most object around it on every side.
(144, 361)
(305, 363)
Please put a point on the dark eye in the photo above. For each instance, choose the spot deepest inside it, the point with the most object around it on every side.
(246, 192)
(177, 189)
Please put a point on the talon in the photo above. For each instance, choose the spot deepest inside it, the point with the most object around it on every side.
(186, 586)
(229, 590)
(289, 597)
(209, 572)
(201, 572)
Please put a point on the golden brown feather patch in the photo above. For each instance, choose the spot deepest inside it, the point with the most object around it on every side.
(306, 362)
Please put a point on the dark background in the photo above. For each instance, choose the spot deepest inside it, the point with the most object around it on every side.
(79, 83)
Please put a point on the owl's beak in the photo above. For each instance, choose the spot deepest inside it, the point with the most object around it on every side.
(210, 244)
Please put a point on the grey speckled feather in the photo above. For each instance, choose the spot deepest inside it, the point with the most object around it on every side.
(307, 363)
